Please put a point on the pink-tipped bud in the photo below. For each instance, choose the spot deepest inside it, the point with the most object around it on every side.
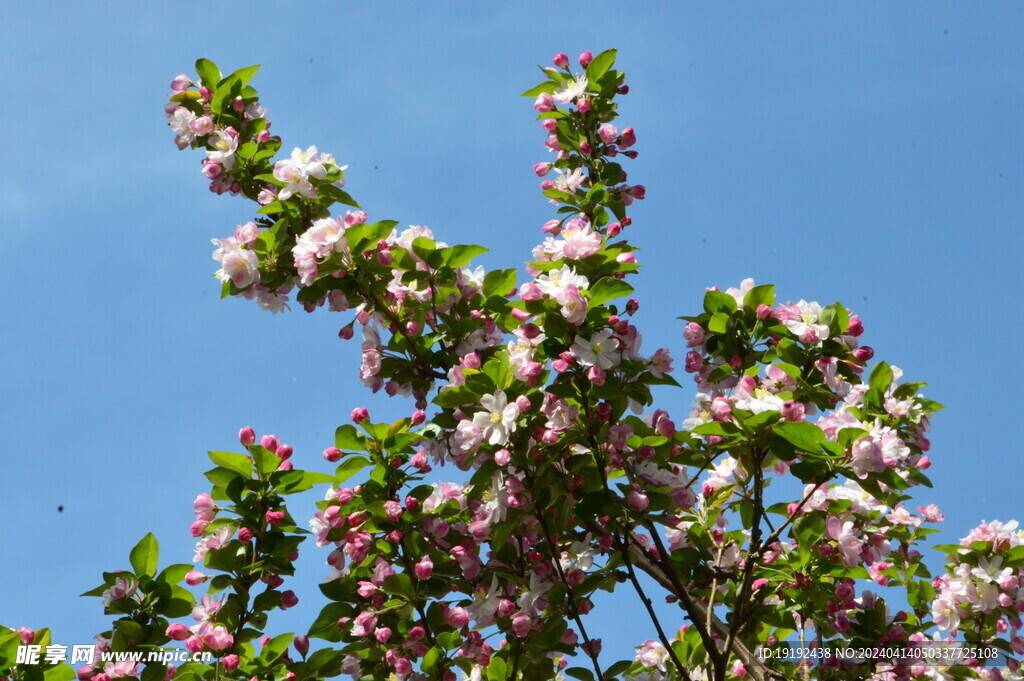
(627, 138)
(863, 353)
(301, 644)
(637, 501)
(346, 332)
(542, 169)
(583, 104)
(245, 535)
(178, 631)
(26, 635)
(195, 578)
(424, 569)
(585, 148)
(359, 414)
(270, 443)
(585, 58)
(284, 451)
(247, 436)
(549, 124)
(274, 517)
(230, 662)
(544, 102)
(502, 457)
(561, 60)
(523, 402)
(418, 417)
(181, 83)
(288, 600)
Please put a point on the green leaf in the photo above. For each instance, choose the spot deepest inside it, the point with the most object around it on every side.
(246, 73)
(276, 647)
(607, 289)
(600, 65)
(459, 255)
(145, 555)
(718, 301)
(60, 672)
(548, 86)
(173, 574)
(349, 467)
(759, 295)
(497, 670)
(581, 673)
(881, 377)
(718, 322)
(208, 72)
(348, 438)
(802, 435)
(239, 463)
(499, 282)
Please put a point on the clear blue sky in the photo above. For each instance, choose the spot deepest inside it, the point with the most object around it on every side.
(867, 152)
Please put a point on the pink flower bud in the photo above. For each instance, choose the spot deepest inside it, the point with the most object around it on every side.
(195, 578)
(549, 124)
(270, 443)
(627, 138)
(247, 436)
(424, 569)
(614, 229)
(583, 104)
(26, 635)
(561, 60)
(607, 133)
(418, 417)
(585, 148)
(523, 402)
(763, 311)
(197, 528)
(456, 617)
(284, 451)
(245, 535)
(471, 361)
(193, 644)
(229, 662)
(586, 58)
(863, 353)
(288, 599)
(274, 517)
(637, 501)
(542, 169)
(521, 624)
(85, 673)
(596, 375)
(181, 83)
(544, 103)
(262, 137)
(301, 644)
(721, 408)
(346, 332)
(792, 411)
(622, 89)
(502, 457)
(856, 327)
(359, 414)
(285, 466)
(217, 638)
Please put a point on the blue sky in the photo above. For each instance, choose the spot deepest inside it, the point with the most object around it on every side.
(868, 153)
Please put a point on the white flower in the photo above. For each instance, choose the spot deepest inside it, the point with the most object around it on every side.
(554, 283)
(224, 145)
(571, 89)
(296, 171)
(806, 319)
(599, 350)
(570, 181)
(180, 123)
(497, 419)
